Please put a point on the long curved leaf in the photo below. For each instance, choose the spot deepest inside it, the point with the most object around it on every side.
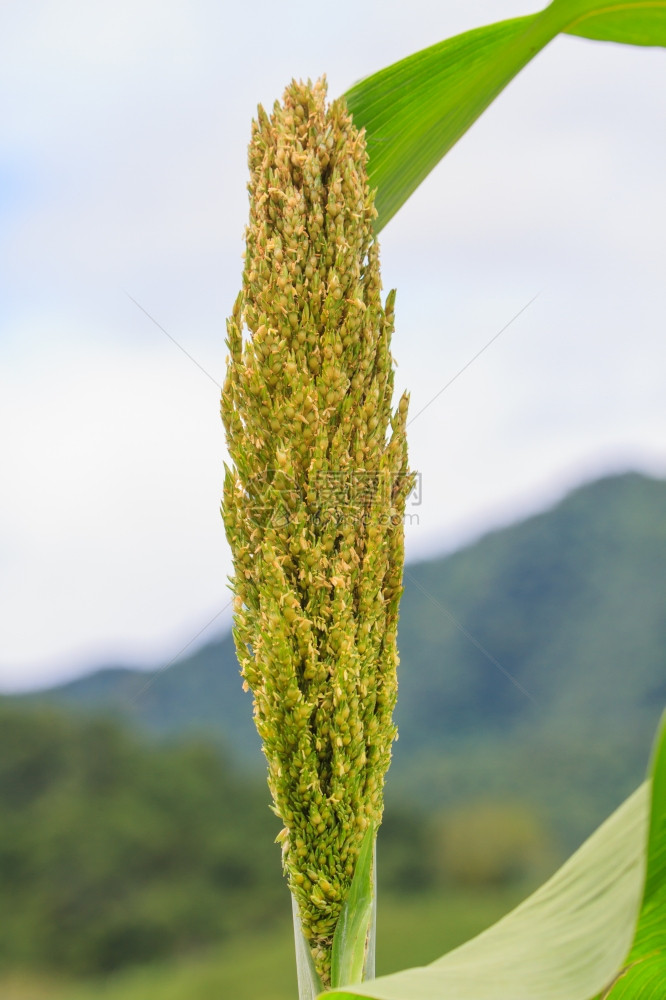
(415, 110)
(632, 22)
(643, 975)
(570, 939)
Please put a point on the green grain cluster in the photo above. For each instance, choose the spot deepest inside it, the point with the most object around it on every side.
(314, 499)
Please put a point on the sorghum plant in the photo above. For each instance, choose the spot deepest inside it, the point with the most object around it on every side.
(313, 510)
(314, 501)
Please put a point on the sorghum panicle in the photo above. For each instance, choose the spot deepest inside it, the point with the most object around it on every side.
(314, 501)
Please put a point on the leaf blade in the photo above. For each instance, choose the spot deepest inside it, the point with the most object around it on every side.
(644, 973)
(570, 939)
(351, 931)
(630, 22)
(415, 110)
(524, 954)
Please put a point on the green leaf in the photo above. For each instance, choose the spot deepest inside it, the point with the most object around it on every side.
(415, 110)
(643, 975)
(633, 22)
(350, 941)
(570, 939)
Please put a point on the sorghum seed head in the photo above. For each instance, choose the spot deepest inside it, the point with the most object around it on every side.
(313, 503)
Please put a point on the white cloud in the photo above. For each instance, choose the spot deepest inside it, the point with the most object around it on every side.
(115, 471)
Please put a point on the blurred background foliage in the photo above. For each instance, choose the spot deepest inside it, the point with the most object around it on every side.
(113, 852)
(137, 854)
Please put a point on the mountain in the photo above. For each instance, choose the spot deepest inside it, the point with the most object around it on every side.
(533, 664)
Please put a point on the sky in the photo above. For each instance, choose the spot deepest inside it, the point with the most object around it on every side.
(123, 143)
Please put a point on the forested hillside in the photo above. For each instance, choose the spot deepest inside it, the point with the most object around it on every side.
(114, 852)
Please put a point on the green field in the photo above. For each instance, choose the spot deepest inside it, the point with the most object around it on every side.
(411, 931)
